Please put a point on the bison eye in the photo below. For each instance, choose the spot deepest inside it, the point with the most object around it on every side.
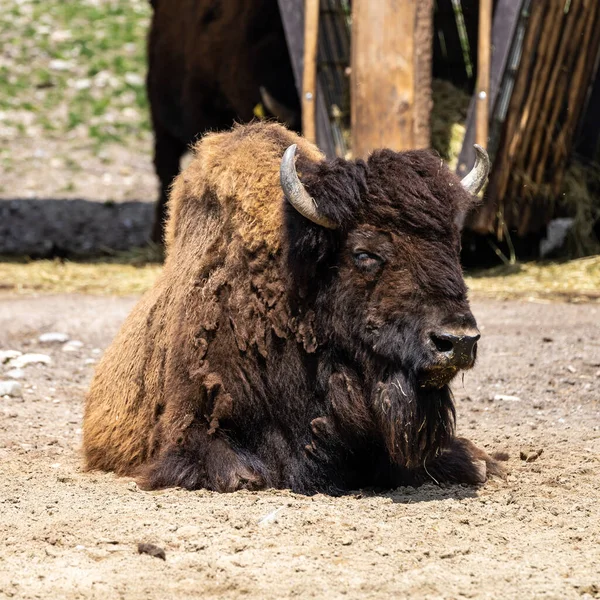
(367, 261)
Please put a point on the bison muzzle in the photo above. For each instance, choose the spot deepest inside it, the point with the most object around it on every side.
(309, 319)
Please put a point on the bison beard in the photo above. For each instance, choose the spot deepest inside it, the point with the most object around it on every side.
(278, 352)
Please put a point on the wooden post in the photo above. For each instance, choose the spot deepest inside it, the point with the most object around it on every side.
(309, 79)
(484, 58)
(391, 74)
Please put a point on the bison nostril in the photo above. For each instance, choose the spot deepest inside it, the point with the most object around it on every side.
(442, 343)
(458, 348)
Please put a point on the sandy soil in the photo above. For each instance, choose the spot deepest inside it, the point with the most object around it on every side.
(69, 534)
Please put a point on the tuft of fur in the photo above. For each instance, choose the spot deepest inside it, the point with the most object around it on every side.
(263, 357)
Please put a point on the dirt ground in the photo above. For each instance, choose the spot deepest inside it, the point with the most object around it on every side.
(69, 534)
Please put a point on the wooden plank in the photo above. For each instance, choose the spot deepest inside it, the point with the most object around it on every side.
(504, 24)
(391, 56)
(292, 16)
(483, 221)
(482, 89)
(309, 76)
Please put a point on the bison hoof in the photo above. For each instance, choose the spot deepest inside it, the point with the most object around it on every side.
(216, 467)
(483, 464)
(464, 462)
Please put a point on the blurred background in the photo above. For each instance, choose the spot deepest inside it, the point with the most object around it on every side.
(100, 100)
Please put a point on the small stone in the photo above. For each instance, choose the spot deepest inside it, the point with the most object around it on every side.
(152, 550)
(134, 79)
(72, 346)
(53, 337)
(89, 361)
(507, 398)
(15, 373)
(30, 359)
(8, 355)
(60, 65)
(82, 84)
(11, 388)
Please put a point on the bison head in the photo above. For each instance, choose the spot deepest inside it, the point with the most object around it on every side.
(373, 250)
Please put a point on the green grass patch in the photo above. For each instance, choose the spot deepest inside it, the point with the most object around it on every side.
(74, 63)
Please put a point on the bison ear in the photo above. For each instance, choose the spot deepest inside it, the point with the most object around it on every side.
(330, 193)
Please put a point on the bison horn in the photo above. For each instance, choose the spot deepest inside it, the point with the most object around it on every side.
(476, 179)
(286, 115)
(295, 193)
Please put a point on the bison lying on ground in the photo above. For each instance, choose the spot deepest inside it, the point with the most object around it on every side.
(207, 62)
(301, 335)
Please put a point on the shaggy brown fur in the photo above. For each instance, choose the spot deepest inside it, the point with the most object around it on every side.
(271, 352)
(207, 60)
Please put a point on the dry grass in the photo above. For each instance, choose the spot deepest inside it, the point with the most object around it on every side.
(570, 281)
(53, 277)
(132, 273)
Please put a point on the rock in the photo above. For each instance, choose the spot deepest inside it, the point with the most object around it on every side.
(152, 550)
(507, 398)
(15, 373)
(8, 355)
(31, 359)
(530, 456)
(556, 234)
(53, 337)
(72, 346)
(134, 79)
(60, 65)
(11, 388)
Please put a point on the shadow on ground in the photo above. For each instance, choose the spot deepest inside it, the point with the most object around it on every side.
(48, 228)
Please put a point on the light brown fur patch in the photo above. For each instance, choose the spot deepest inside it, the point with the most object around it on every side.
(241, 169)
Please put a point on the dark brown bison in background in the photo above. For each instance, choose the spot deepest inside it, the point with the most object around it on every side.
(207, 60)
(301, 335)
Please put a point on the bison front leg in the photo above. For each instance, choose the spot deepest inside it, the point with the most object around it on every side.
(462, 462)
(200, 460)
(168, 151)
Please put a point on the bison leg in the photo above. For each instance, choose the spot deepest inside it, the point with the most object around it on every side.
(462, 462)
(168, 151)
(202, 461)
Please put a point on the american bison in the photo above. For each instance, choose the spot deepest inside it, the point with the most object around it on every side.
(304, 330)
(207, 63)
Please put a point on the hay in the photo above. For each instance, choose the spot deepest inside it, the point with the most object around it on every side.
(56, 277)
(570, 281)
(580, 199)
(448, 118)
